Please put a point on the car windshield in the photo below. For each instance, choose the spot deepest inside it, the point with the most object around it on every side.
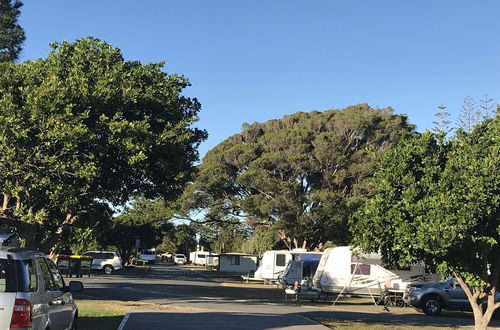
(179, 256)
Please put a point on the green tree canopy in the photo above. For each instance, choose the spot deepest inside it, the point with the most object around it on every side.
(11, 34)
(302, 174)
(85, 127)
(185, 239)
(438, 201)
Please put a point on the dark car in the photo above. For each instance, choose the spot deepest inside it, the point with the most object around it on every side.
(433, 297)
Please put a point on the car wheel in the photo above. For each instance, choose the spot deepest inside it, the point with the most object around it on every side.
(432, 305)
(108, 269)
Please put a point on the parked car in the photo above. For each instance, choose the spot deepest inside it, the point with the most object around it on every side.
(433, 297)
(108, 261)
(33, 293)
(180, 259)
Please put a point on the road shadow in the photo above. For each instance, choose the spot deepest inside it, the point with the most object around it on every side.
(99, 322)
(454, 319)
(217, 321)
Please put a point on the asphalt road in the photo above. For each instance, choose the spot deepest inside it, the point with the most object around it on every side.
(222, 307)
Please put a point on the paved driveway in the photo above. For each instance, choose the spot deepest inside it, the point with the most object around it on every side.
(151, 319)
(220, 305)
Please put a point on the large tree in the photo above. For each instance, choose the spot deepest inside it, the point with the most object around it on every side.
(11, 34)
(438, 201)
(303, 174)
(84, 127)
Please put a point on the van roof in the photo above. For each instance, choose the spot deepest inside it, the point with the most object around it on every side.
(18, 253)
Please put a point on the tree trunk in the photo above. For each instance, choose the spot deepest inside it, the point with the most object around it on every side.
(482, 316)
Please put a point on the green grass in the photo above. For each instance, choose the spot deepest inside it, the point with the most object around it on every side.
(353, 325)
(100, 314)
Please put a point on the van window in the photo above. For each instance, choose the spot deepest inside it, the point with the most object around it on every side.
(281, 260)
(28, 273)
(56, 275)
(47, 276)
(8, 282)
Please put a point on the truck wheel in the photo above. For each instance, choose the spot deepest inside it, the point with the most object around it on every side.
(432, 305)
(108, 269)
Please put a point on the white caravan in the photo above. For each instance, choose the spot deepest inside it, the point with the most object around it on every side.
(344, 272)
(204, 258)
(273, 264)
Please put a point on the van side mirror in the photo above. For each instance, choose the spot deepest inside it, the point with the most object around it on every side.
(75, 286)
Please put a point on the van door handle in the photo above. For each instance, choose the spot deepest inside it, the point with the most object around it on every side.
(56, 302)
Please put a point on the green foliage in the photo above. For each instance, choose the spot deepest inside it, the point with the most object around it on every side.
(439, 201)
(185, 239)
(303, 174)
(144, 219)
(83, 127)
(166, 245)
(262, 240)
(224, 238)
(11, 34)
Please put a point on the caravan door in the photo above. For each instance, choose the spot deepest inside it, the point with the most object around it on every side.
(293, 272)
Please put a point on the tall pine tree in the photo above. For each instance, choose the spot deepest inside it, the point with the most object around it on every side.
(11, 34)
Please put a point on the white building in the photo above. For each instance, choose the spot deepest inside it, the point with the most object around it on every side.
(240, 263)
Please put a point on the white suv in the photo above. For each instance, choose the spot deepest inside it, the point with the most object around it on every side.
(108, 261)
(33, 294)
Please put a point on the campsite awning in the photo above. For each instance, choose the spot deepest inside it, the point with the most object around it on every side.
(309, 258)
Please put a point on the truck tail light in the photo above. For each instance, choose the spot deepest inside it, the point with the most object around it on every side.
(21, 314)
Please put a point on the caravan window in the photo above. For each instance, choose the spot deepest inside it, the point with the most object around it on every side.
(281, 260)
(360, 269)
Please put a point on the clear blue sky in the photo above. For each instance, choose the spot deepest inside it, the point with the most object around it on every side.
(257, 60)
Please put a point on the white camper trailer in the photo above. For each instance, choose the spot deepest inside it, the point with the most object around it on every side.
(204, 258)
(301, 269)
(344, 272)
(272, 265)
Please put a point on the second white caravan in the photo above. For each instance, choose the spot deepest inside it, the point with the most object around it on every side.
(342, 271)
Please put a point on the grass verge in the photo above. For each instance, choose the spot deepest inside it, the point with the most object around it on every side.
(101, 314)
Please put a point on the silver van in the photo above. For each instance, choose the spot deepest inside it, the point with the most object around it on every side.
(33, 293)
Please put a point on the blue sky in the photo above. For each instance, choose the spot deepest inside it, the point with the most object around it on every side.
(257, 60)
